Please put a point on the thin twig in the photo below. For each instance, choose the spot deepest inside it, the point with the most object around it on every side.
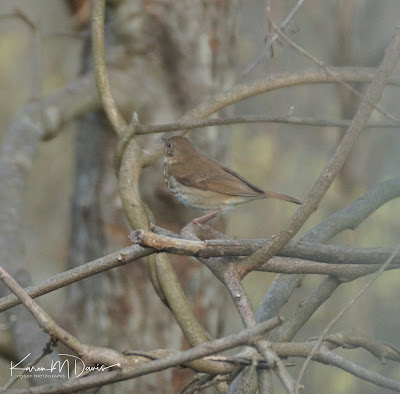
(287, 119)
(327, 70)
(326, 356)
(342, 311)
(271, 82)
(272, 39)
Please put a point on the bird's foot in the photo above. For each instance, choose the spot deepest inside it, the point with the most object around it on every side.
(205, 218)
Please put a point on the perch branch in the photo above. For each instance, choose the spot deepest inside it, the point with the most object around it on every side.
(300, 257)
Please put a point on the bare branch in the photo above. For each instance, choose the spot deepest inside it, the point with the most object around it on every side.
(225, 270)
(271, 82)
(322, 65)
(116, 259)
(287, 119)
(356, 339)
(244, 337)
(347, 218)
(299, 257)
(93, 354)
(342, 311)
(353, 215)
(337, 160)
(265, 349)
(329, 254)
(102, 81)
(272, 39)
(326, 356)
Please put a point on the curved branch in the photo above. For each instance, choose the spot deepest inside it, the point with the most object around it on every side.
(272, 82)
(353, 215)
(349, 217)
(100, 70)
(337, 160)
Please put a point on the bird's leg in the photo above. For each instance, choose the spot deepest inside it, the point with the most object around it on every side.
(206, 217)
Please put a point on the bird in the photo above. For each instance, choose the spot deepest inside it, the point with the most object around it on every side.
(202, 183)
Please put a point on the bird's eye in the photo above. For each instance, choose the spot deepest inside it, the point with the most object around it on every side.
(169, 145)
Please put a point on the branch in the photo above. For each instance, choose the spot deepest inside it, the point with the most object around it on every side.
(337, 160)
(116, 259)
(19, 146)
(130, 163)
(272, 39)
(225, 270)
(329, 254)
(100, 70)
(272, 82)
(327, 357)
(287, 119)
(93, 354)
(342, 311)
(356, 339)
(347, 218)
(353, 215)
(300, 257)
(327, 70)
(242, 338)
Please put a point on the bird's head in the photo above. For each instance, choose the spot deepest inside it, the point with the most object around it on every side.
(178, 147)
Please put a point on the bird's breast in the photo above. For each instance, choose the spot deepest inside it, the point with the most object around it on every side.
(203, 200)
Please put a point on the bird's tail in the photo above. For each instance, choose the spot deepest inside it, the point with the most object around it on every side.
(284, 197)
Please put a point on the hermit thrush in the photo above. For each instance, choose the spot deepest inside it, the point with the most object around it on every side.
(202, 183)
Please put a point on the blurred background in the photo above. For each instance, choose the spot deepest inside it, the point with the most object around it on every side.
(275, 157)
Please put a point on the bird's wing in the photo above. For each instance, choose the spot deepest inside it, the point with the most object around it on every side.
(218, 179)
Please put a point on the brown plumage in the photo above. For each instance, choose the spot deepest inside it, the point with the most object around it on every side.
(202, 183)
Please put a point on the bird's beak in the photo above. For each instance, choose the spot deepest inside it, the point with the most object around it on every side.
(165, 139)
